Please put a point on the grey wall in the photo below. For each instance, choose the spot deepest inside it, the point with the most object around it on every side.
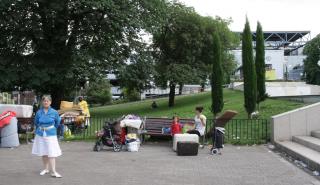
(294, 123)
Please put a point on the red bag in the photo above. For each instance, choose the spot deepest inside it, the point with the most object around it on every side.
(123, 135)
(6, 117)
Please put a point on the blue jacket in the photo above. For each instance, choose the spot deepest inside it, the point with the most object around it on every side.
(43, 120)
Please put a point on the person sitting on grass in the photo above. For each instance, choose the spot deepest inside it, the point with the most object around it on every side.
(154, 105)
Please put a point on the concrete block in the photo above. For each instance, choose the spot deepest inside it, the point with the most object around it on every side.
(281, 128)
(298, 124)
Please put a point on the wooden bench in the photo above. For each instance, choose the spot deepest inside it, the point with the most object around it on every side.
(153, 126)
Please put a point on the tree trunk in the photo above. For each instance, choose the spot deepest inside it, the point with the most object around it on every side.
(56, 100)
(180, 88)
(172, 94)
(57, 95)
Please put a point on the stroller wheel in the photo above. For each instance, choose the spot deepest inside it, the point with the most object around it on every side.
(214, 151)
(97, 147)
(117, 147)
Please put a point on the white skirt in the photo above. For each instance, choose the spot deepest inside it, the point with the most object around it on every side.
(46, 146)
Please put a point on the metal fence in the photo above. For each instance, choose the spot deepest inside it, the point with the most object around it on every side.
(238, 131)
(244, 131)
(86, 129)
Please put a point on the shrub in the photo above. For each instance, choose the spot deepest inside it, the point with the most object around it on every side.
(131, 94)
(99, 92)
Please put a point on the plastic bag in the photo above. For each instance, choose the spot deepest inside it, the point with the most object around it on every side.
(133, 146)
(67, 132)
(187, 127)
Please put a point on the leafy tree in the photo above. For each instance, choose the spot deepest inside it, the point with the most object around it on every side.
(53, 46)
(230, 41)
(311, 65)
(249, 72)
(217, 77)
(99, 92)
(229, 65)
(138, 74)
(177, 48)
(131, 94)
(260, 65)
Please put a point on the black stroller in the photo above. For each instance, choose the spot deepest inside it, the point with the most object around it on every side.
(218, 131)
(109, 136)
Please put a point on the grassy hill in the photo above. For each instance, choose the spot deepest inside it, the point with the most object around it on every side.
(184, 106)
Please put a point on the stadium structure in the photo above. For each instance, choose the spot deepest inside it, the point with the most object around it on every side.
(283, 54)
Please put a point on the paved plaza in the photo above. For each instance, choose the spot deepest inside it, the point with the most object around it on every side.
(154, 164)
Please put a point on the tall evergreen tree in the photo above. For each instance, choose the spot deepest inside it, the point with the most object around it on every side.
(216, 77)
(311, 66)
(249, 72)
(260, 66)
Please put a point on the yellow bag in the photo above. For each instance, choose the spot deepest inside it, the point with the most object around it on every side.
(67, 133)
(131, 136)
(66, 105)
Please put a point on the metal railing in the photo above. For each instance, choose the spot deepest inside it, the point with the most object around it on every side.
(87, 128)
(238, 131)
(244, 131)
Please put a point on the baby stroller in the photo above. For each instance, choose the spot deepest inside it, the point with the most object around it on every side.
(109, 136)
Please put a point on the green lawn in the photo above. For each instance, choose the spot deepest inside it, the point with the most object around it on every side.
(184, 106)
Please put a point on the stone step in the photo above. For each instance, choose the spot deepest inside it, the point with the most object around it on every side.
(301, 152)
(308, 141)
(315, 133)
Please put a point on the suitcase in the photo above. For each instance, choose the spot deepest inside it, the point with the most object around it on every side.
(184, 137)
(187, 148)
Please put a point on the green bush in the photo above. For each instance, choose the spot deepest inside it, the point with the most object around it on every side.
(99, 92)
(131, 94)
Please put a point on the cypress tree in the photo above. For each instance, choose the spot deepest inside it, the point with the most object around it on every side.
(216, 77)
(249, 72)
(260, 65)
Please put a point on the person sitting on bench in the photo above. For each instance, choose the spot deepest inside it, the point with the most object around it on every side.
(200, 122)
(176, 127)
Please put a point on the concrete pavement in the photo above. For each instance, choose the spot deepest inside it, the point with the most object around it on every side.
(154, 164)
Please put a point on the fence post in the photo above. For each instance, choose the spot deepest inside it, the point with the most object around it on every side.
(266, 122)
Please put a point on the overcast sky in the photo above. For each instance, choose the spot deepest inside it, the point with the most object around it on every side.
(274, 15)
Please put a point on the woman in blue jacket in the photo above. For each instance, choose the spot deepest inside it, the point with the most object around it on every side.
(46, 145)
